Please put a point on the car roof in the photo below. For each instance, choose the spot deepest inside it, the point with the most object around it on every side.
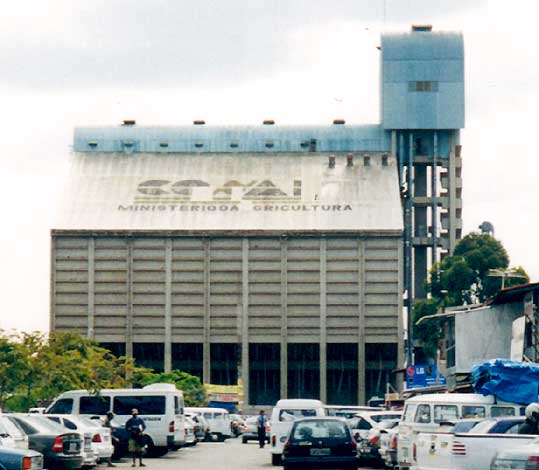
(456, 398)
(299, 403)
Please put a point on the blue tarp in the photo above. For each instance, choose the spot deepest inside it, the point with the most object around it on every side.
(515, 382)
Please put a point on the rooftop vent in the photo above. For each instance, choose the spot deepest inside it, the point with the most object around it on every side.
(331, 161)
(339, 121)
(425, 28)
(268, 122)
(129, 122)
(350, 160)
(199, 122)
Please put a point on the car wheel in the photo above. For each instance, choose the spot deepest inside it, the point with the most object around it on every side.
(276, 459)
(244, 440)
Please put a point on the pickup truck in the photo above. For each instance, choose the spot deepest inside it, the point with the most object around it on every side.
(20, 459)
(475, 449)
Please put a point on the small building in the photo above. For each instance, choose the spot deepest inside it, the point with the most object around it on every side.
(504, 327)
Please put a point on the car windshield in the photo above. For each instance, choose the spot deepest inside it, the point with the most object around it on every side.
(379, 418)
(323, 429)
(483, 427)
(11, 427)
(464, 426)
(293, 414)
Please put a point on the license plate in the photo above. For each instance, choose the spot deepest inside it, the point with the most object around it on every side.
(319, 452)
(72, 447)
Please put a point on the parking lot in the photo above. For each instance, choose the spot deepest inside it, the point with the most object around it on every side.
(231, 454)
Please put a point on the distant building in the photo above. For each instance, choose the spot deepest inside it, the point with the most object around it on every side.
(271, 253)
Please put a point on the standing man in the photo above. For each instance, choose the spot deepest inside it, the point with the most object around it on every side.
(107, 423)
(261, 428)
(135, 427)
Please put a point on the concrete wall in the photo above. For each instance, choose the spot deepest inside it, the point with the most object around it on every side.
(484, 334)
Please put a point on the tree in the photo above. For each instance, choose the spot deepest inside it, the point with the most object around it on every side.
(191, 386)
(462, 279)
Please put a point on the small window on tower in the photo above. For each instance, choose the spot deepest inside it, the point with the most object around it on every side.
(427, 86)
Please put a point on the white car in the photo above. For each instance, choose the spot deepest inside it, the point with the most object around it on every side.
(365, 421)
(190, 437)
(525, 457)
(20, 438)
(97, 436)
(218, 420)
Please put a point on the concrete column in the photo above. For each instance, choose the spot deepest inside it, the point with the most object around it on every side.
(452, 195)
(245, 322)
(168, 305)
(284, 318)
(206, 350)
(361, 360)
(434, 195)
(91, 288)
(129, 317)
(420, 230)
(323, 320)
(400, 290)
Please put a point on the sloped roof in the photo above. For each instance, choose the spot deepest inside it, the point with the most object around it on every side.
(229, 192)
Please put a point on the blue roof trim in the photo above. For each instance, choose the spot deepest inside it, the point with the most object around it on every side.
(234, 139)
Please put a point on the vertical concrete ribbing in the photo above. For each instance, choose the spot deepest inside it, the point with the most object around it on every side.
(452, 195)
(361, 366)
(284, 318)
(245, 321)
(323, 320)
(206, 350)
(129, 316)
(52, 319)
(168, 305)
(400, 327)
(91, 288)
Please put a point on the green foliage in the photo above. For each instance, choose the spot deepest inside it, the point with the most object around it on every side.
(462, 279)
(428, 333)
(191, 386)
(35, 369)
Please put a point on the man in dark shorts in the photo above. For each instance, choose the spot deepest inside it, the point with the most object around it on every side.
(135, 427)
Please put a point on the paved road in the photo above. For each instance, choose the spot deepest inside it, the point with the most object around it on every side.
(230, 455)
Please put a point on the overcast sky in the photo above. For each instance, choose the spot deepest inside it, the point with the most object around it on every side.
(69, 63)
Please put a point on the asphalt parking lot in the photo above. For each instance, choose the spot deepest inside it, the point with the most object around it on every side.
(228, 455)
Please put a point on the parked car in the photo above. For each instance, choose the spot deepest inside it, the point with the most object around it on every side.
(236, 424)
(362, 423)
(190, 437)
(389, 442)
(6, 440)
(314, 442)
(283, 415)
(369, 447)
(201, 427)
(97, 439)
(525, 457)
(20, 459)
(218, 420)
(250, 430)
(61, 448)
(15, 431)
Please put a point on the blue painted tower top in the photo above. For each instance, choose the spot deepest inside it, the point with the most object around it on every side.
(422, 80)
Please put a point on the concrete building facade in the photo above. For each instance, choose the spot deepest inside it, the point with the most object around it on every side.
(278, 254)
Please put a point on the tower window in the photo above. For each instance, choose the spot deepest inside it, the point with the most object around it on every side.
(429, 86)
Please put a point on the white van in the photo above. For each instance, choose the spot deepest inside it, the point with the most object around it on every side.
(161, 407)
(425, 413)
(218, 420)
(282, 417)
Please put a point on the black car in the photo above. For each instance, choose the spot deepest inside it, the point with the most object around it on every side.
(60, 447)
(318, 443)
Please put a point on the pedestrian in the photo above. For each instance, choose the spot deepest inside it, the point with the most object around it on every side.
(107, 423)
(135, 427)
(261, 428)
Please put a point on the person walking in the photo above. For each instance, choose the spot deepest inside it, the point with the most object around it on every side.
(261, 428)
(135, 427)
(107, 423)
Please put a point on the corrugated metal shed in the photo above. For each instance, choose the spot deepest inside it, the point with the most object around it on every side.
(423, 80)
(231, 192)
(232, 139)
